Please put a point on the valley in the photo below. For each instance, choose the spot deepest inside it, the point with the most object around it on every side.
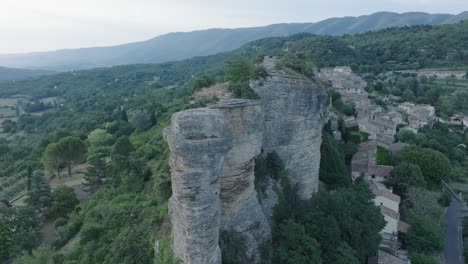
(219, 158)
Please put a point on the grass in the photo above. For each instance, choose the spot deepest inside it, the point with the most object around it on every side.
(355, 136)
(8, 102)
(77, 174)
(383, 156)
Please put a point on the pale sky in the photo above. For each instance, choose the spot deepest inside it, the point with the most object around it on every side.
(42, 25)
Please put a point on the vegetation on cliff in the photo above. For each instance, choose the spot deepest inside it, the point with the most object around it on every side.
(129, 174)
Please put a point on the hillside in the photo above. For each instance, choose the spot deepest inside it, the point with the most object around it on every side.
(11, 74)
(183, 45)
(121, 112)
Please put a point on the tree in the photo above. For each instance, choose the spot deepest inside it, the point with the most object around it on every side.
(51, 159)
(405, 175)
(420, 258)
(8, 125)
(6, 240)
(122, 147)
(97, 172)
(332, 163)
(124, 116)
(71, 150)
(63, 201)
(238, 70)
(328, 221)
(444, 199)
(344, 254)
(408, 95)
(99, 137)
(434, 165)
(40, 255)
(39, 195)
(362, 234)
(153, 119)
(24, 224)
(425, 236)
(294, 246)
(140, 120)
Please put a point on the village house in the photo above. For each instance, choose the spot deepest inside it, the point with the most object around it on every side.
(418, 116)
(364, 163)
(389, 204)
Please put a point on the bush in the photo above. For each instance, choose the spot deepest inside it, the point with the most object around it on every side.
(445, 199)
(67, 232)
(60, 222)
(259, 72)
(242, 90)
(425, 236)
(64, 201)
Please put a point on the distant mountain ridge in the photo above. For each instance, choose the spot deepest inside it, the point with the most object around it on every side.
(184, 45)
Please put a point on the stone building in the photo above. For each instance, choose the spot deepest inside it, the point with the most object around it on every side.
(364, 163)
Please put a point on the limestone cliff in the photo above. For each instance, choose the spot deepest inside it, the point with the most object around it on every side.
(294, 109)
(213, 152)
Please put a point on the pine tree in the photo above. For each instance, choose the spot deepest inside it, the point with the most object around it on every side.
(153, 119)
(39, 195)
(124, 116)
(97, 172)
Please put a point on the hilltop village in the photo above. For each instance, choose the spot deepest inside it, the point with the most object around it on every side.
(374, 126)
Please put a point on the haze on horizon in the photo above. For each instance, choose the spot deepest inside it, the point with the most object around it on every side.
(30, 25)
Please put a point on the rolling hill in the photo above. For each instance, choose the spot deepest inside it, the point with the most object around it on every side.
(183, 45)
(12, 74)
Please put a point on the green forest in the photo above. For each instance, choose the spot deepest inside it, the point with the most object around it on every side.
(111, 119)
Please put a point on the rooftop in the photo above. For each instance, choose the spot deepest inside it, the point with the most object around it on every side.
(380, 190)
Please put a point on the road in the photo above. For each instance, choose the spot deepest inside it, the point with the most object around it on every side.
(453, 252)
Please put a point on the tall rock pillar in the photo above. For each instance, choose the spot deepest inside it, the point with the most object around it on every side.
(198, 142)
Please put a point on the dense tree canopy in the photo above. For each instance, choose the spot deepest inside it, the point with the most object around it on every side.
(433, 164)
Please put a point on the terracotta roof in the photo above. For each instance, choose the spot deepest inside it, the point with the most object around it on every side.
(389, 212)
(360, 160)
(383, 192)
(380, 170)
(382, 121)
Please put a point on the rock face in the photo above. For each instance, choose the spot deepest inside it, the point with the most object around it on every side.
(294, 112)
(242, 218)
(214, 206)
(198, 142)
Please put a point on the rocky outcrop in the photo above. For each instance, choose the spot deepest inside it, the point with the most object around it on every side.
(294, 109)
(198, 141)
(213, 152)
(242, 219)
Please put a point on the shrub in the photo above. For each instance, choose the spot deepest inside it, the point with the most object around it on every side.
(445, 199)
(60, 222)
(259, 72)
